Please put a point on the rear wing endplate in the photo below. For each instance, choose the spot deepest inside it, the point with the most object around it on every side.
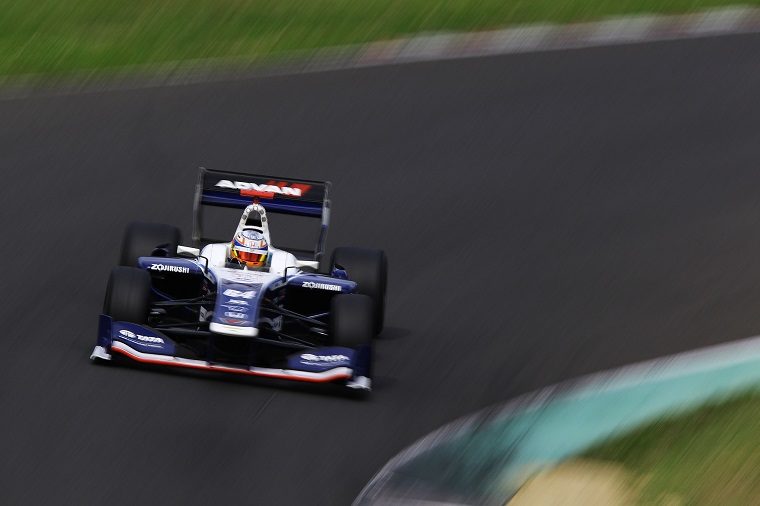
(299, 197)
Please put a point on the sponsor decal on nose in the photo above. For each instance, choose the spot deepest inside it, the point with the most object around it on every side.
(248, 294)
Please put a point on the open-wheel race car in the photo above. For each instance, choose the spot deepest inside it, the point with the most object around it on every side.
(243, 306)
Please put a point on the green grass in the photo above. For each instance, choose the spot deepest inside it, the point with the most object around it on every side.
(64, 36)
(708, 456)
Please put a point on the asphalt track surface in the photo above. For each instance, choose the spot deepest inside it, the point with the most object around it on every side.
(545, 216)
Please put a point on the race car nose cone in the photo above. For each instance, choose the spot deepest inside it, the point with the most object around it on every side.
(232, 330)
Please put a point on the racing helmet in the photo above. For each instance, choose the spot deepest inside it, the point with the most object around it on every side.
(249, 247)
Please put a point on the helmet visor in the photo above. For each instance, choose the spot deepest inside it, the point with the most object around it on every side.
(252, 259)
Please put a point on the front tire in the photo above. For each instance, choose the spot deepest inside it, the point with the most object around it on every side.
(143, 239)
(369, 269)
(128, 295)
(351, 320)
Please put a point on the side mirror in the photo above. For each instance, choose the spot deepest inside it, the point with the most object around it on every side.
(339, 272)
(162, 250)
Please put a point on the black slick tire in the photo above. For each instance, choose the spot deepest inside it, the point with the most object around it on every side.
(351, 320)
(143, 239)
(128, 295)
(369, 269)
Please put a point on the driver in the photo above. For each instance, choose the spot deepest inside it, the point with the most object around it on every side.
(249, 248)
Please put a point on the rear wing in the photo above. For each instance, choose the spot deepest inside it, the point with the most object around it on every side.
(299, 197)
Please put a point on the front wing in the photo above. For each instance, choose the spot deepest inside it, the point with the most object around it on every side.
(314, 365)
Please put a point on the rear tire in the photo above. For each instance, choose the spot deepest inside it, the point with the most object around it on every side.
(128, 295)
(351, 320)
(142, 239)
(369, 269)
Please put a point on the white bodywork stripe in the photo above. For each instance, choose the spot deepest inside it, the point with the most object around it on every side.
(101, 353)
(188, 249)
(231, 330)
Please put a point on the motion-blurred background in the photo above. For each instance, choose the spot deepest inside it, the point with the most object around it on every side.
(56, 37)
(547, 212)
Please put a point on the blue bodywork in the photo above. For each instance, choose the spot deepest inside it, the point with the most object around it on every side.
(236, 304)
(145, 339)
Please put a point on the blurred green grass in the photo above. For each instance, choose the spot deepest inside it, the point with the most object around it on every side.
(707, 456)
(64, 36)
